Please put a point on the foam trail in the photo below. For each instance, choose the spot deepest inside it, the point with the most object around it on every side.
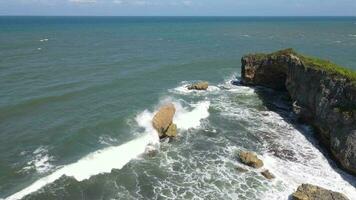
(103, 161)
(191, 119)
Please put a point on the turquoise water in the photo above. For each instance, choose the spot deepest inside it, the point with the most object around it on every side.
(77, 86)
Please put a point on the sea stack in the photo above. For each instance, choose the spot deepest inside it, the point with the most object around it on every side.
(323, 93)
(163, 121)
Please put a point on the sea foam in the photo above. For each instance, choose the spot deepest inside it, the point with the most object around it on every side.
(115, 157)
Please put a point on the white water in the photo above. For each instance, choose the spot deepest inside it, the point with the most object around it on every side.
(103, 161)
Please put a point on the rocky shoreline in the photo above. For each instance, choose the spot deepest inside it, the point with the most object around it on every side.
(323, 95)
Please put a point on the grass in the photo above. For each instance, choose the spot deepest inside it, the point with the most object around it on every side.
(316, 63)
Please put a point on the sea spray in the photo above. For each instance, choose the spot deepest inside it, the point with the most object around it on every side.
(115, 157)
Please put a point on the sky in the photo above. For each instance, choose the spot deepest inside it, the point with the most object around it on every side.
(179, 7)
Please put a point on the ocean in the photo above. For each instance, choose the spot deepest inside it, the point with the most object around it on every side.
(77, 95)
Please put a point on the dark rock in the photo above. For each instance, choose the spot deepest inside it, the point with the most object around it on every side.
(267, 174)
(312, 192)
(241, 169)
(323, 96)
(250, 159)
(199, 86)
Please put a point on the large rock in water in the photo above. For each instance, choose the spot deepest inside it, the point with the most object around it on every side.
(199, 86)
(163, 119)
(312, 192)
(324, 93)
(250, 159)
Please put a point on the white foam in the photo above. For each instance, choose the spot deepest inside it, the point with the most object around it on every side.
(40, 162)
(191, 119)
(103, 161)
(44, 40)
(352, 35)
(183, 89)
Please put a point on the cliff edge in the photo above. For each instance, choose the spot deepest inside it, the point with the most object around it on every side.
(323, 94)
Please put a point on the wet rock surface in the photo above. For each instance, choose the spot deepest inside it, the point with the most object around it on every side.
(312, 192)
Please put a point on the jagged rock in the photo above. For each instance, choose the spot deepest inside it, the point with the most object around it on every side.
(199, 86)
(312, 192)
(171, 131)
(267, 174)
(324, 96)
(163, 118)
(250, 159)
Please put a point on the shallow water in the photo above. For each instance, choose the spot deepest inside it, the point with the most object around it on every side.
(81, 106)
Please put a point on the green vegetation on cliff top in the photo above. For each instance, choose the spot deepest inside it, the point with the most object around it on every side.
(314, 62)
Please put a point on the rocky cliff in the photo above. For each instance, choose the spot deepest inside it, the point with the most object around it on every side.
(323, 93)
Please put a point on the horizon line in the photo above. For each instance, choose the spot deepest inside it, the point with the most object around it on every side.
(177, 15)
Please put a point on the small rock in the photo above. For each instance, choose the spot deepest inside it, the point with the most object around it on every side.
(199, 86)
(268, 174)
(241, 169)
(250, 159)
(312, 192)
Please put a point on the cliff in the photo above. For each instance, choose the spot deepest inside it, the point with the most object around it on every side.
(324, 95)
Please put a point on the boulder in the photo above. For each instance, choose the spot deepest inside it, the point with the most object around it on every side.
(172, 130)
(163, 118)
(267, 174)
(250, 159)
(199, 86)
(312, 192)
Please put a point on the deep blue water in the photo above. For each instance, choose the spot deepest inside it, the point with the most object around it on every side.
(72, 86)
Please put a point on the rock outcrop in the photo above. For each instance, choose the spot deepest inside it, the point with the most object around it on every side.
(312, 192)
(163, 121)
(198, 86)
(323, 93)
(250, 159)
(267, 174)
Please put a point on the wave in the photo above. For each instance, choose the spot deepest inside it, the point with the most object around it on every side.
(115, 157)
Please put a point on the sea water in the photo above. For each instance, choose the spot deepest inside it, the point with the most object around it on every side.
(78, 95)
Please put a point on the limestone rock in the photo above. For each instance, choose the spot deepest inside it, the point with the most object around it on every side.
(267, 174)
(172, 130)
(250, 159)
(199, 86)
(312, 192)
(163, 118)
(324, 96)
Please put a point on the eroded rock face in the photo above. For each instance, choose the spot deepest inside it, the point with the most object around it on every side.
(199, 86)
(250, 159)
(327, 101)
(163, 119)
(312, 192)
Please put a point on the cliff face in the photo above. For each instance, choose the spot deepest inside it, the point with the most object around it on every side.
(322, 96)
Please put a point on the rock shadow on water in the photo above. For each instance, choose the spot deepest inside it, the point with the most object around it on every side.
(280, 102)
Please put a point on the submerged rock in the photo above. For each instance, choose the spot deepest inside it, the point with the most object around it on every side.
(312, 192)
(163, 119)
(199, 86)
(324, 96)
(250, 159)
(241, 169)
(267, 174)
